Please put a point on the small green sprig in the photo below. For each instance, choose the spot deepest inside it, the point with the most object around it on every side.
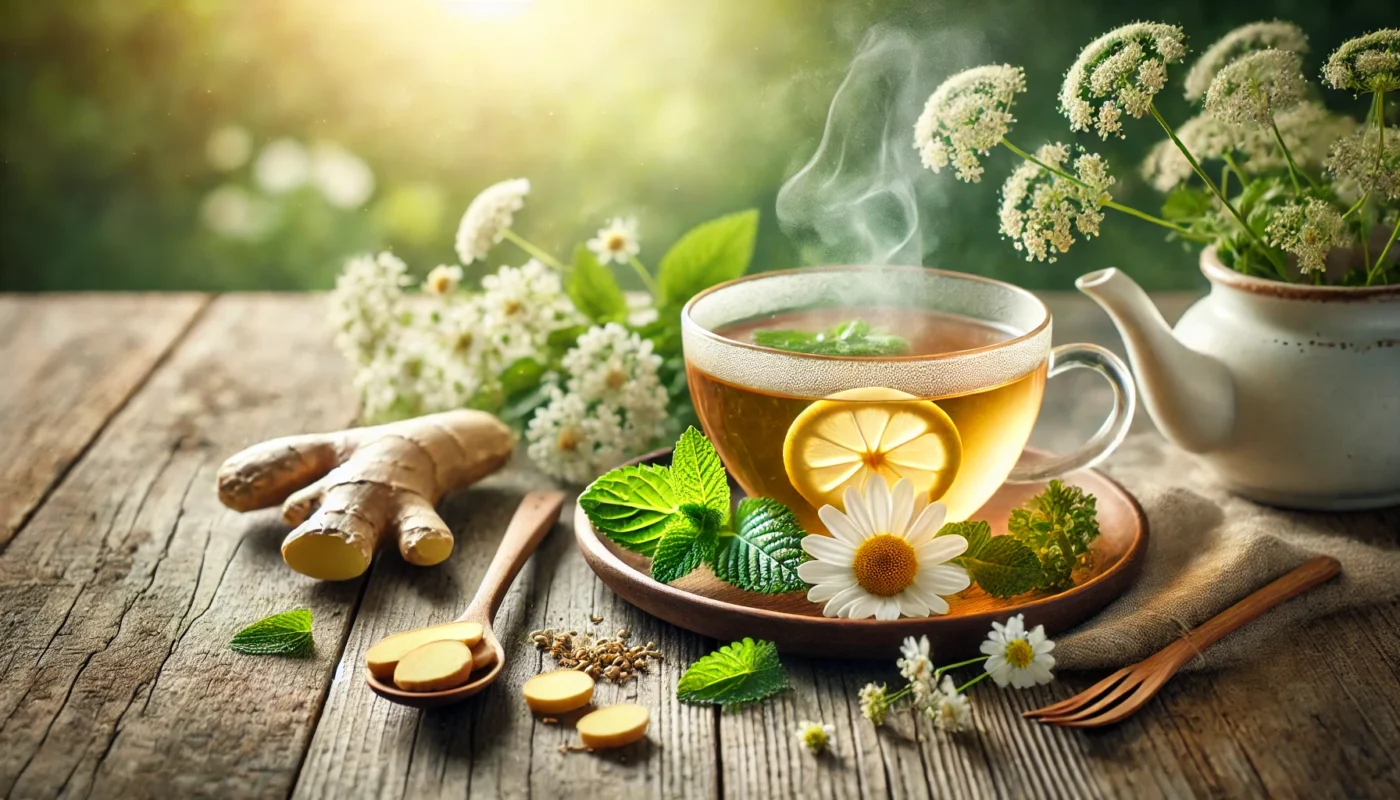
(734, 675)
(288, 633)
(1058, 525)
(852, 338)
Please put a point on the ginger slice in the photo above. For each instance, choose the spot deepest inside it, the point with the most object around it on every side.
(346, 491)
(614, 726)
(558, 692)
(386, 654)
(433, 667)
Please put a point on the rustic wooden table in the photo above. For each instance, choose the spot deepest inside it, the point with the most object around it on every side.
(122, 579)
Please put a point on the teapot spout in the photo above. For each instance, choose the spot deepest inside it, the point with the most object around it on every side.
(1189, 395)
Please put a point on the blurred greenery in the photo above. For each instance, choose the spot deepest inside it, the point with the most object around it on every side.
(672, 112)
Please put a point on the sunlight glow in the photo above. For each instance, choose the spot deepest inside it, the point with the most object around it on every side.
(488, 9)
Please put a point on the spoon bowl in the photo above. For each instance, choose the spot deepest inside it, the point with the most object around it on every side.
(532, 521)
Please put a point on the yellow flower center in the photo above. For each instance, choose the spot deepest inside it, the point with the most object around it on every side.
(512, 307)
(569, 439)
(1019, 653)
(885, 565)
(616, 378)
(440, 284)
(615, 242)
(464, 342)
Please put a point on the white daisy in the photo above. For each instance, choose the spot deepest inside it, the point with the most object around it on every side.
(815, 736)
(486, 219)
(616, 241)
(443, 279)
(950, 710)
(1019, 657)
(882, 558)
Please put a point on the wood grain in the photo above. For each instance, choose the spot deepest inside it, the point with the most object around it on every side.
(69, 362)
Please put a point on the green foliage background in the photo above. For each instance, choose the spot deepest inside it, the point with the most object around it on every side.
(673, 112)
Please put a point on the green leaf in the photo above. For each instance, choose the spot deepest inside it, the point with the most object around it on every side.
(288, 633)
(763, 554)
(738, 673)
(976, 532)
(851, 338)
(697, 474)
(1058, 525)
(711, 253)
(688, 542)
(521, 375)
(1187, 203)
(594, 290)
(632, 506)
(1004, 567)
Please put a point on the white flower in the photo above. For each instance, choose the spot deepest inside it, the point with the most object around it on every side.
(915, 665)
(1369, 63)
(521, 306)
(950, 710)
(1356, 158)
(367, 304)
(1119, 72)
(882, 558)
(573, 441)
(228, 148)
(1041, 210)
(967, 115)
(343, 179)
(1308, 231)
(610, 364)
(874, 702)
(232, 211)
(457, 364)
(282, 166)
(1018, 657)
(1251, 88)
(1241, 41)
(616, 241)
(443, 279)
(486, 219)
(815, 736)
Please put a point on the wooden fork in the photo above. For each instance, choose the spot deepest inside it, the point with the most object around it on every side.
(1121, 694)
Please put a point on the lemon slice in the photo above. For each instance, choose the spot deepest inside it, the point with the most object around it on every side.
(842, 440)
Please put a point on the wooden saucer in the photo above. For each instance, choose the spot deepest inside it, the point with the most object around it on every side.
(702, 603)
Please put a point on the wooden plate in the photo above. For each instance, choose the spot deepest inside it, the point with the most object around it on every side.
(702, 603)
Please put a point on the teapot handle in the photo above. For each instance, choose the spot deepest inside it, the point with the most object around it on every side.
(1087, 356)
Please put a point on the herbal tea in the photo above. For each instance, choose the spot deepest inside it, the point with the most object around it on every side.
(804, 451)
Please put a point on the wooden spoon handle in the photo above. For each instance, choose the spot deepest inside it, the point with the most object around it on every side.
(533, 519)
(1306, 576)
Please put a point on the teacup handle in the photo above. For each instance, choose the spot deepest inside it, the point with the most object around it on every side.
(1087, 356)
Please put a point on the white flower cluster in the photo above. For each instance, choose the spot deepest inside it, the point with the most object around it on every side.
(1119, 73)
(1308, 230)
(1357, 159)
(367, 304)
(1252, 87)
(522, 306)
(1241, 41)
(485, 222)
(966, 116)
(1369, 63)
(612, 405)
(1041, 210)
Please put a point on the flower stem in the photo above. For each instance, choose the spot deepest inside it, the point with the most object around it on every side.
(1210, 184)
(1293, 169)
(970, 683)
(647, 280)
(1379, 268)
(938, 673)
(520, 241)
(1357, 205)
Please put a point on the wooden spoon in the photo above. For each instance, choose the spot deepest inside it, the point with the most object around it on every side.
(533, 519)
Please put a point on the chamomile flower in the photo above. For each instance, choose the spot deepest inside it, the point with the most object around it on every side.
(917, 668)
(487, 218)
(950, 710)
(522, 306)
(1251, 88)
(1018, 657)
(1369, 63)
(966, 116)
(1241, 41)
(1357, 158)
(815, 736)
(1119, 73)
(443, 279)
(1041, 211)
(1308, 230)
(874, 702)
(882, 558)
(616, 241)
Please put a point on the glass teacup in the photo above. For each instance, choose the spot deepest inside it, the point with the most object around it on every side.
(952, 413)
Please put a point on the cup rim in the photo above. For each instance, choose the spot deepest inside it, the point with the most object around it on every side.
(687, 320)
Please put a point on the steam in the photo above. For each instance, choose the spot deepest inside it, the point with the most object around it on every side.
(856, 200)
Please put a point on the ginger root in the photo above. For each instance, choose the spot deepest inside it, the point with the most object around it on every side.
(346, 491)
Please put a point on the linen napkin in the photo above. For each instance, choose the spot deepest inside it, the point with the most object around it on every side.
(1208, 548)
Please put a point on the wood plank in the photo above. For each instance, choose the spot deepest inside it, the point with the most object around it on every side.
(118, 599)
(491, 746)
(70, 361)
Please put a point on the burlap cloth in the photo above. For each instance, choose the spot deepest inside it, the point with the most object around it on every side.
(1208, 548)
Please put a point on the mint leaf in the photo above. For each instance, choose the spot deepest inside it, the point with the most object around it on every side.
(976, 532)
(738, 673)
(288, 633)
(1001, 565)
(594, 290)
(762, 555)
(697, 474)
(632, 506)
(851, 338)
(710, 253)
(686, 544)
